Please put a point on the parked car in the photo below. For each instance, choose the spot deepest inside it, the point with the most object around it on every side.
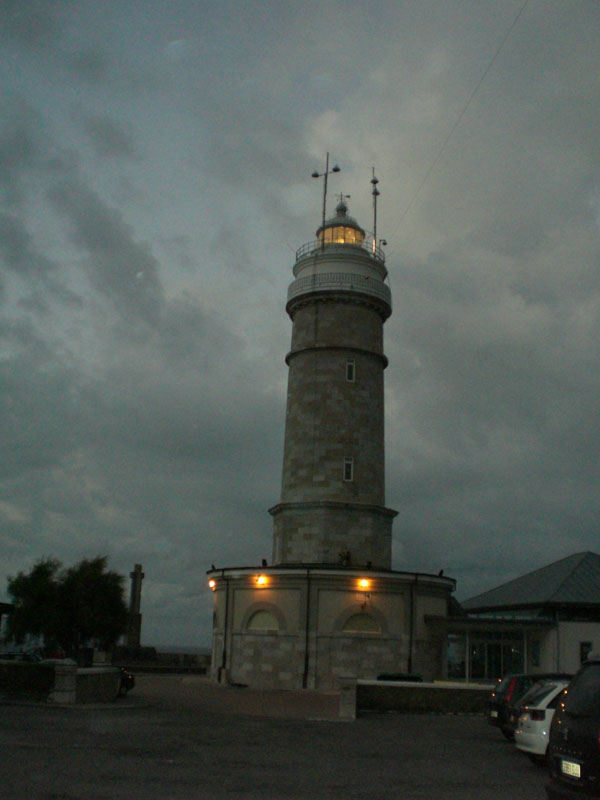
(514, 707)
(509, 690)
(536, 712)
(574, 748)
(21, 655)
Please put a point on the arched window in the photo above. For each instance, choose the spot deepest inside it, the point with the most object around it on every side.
(263, 620)
(361, 623)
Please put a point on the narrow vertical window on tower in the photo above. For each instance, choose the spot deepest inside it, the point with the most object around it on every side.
(350, 370)
(348, 468)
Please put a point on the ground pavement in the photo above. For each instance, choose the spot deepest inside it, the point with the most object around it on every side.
(182, 738)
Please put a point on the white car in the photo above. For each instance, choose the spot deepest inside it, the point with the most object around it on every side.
(533, 727)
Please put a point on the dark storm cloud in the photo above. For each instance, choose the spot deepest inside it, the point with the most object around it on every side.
(36, 272)
(38, 412)
(92, 65)
(162, 442)
(16, 247)
(497, 445)
(120, 268)
(110, 139)
(20, 149)
(34, 23)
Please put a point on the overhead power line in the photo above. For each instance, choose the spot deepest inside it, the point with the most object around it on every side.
(462, 114)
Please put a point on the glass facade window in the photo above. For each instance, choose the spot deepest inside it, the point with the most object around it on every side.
(585, 648)
(484, 655)
(457, 666)
(535, 652)
(348, 468)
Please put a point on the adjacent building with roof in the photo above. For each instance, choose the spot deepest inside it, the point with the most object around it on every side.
(545, 621)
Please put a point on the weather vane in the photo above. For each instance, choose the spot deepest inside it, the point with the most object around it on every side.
(324, 175)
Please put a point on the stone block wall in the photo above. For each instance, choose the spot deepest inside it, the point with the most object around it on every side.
(269, 660)
(322, 533)
(329, 418)
(351, 631)
(342, 657)
(334, 321)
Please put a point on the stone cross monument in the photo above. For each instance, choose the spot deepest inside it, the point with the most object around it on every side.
(134, 623)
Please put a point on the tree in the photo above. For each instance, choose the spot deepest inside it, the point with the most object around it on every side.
(71, 608)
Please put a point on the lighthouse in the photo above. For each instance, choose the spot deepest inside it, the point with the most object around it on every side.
(332, 507)
(329, 606)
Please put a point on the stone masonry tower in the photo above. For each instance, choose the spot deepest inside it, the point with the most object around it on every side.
(332, 508)
(329, 607)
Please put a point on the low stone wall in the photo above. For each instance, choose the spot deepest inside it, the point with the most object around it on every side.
(412, 698)
(148, 659)
(59, 681)
(97, 684)
(30, 681)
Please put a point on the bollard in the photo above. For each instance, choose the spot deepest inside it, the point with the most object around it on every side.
(347, 698)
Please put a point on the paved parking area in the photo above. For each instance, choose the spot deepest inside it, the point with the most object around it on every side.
(178, 738)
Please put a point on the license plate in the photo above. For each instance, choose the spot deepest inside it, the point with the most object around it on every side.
(493, 714)
(571, 769)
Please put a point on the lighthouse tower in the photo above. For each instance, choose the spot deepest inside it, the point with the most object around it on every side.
(332, 507)
(329, 606)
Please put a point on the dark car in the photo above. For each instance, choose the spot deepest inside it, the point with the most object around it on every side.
(574, 747)
(21, 655)
(508, 692)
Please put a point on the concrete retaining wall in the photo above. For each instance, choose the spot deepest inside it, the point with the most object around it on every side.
(421, 698)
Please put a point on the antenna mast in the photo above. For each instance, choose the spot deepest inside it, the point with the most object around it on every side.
(375, 194)
(324, 175)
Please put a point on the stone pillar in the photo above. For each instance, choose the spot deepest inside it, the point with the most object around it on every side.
(134, 624)
(65, 683)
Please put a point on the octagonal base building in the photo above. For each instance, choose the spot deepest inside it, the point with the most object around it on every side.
(330, 607)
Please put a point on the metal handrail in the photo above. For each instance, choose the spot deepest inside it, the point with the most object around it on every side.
(341, 280)
(311, 248)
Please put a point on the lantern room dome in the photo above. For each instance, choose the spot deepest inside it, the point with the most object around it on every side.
(341, 229)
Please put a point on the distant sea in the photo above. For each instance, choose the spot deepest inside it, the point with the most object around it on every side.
(180, 648)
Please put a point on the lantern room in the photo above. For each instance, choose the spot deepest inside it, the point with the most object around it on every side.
(341, 229)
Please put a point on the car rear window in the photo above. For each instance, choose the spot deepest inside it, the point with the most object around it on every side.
(583, 695)
(537, 693)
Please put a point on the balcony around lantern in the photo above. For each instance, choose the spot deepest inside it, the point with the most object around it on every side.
(340, 281)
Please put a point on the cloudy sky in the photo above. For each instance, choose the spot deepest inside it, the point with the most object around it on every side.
(155, 162)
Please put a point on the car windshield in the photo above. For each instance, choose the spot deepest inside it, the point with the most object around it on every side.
(583, 695)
